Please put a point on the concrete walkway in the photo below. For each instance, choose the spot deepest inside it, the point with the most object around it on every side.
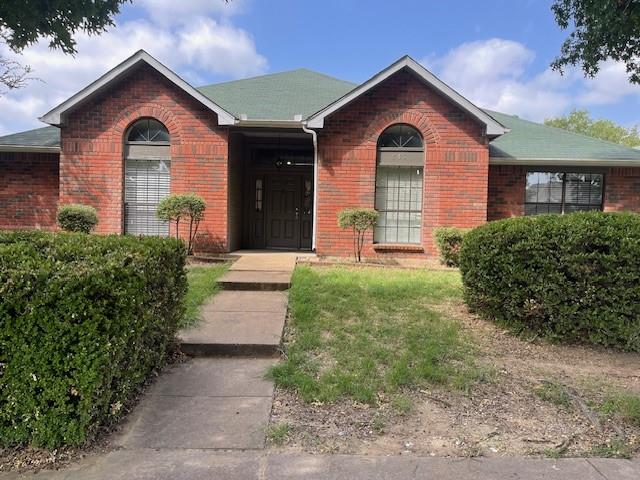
(248, 317)
(193, 464)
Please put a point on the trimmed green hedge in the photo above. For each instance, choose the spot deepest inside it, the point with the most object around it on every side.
(449, 241)
(77, 218)
(84, 320)
(573, 278)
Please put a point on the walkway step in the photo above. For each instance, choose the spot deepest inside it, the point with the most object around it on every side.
(256, 280)
(238, 323)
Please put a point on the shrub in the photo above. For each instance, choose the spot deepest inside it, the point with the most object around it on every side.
(359, 220)
(77, 218)
(175, 207)
(83, 323)
(449, 241)
(572, 277)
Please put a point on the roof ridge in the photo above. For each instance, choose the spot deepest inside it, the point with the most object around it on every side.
(565, 131)
(275, 74)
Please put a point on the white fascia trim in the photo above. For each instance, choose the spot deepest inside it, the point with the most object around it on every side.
(572, 162)
(269, 123)
(493, 127)
(28, 149)
(56, 116)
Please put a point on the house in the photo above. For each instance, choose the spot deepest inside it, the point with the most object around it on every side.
(276, 157)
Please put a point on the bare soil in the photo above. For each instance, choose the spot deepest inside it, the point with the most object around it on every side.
(501, 417)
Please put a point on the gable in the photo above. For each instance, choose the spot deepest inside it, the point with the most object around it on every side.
(57, 116)
(403, 98)
(492, 127)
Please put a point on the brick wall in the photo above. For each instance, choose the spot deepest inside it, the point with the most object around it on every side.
(507, 190)
(456, 161)
(91, 163)
(28, 190)
(622, 190)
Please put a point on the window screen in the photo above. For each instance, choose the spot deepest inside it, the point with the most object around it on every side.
(146, 183)
(399, 203)
(558, 192)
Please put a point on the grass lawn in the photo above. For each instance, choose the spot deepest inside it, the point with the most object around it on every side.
(202, 281)
(361, 333)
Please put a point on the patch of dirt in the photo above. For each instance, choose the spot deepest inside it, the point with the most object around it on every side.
(26, 458)
(501, 417)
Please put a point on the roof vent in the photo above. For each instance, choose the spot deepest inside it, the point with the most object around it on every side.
(297, 117)
(243, 116)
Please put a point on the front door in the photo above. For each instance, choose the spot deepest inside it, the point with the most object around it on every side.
(283, 211)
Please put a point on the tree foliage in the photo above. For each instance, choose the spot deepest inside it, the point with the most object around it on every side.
(359, 220)
(601, 30)
(579, 121)
(176, 207)
(24, 22)
(13, 74)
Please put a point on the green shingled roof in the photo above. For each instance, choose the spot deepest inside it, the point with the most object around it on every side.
(39, 137)
(529, 140)
(279, 96)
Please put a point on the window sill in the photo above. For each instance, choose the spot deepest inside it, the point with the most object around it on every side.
(398, 247)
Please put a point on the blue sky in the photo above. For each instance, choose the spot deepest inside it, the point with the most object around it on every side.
(498, 55)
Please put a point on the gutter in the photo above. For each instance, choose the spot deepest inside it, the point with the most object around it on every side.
(314, 137)
(584, 162)
(28, 149)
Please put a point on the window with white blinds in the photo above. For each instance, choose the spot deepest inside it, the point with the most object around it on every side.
(563, 192)
(399, 173)
(146, 183)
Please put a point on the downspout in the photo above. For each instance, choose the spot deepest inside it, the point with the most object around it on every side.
(314, 137)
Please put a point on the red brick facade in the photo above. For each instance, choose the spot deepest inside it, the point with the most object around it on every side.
(456, 161)
(507, 190)
(91, 162)
(28, 190)
(459, 189)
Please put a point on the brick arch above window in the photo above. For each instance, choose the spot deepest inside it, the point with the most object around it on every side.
(417, 120)
(134, 113)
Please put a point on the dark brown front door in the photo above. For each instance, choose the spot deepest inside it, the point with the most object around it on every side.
(283, 211)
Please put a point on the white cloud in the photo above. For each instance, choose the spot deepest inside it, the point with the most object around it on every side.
(167, 12)
(494, 74)
(220, 48)
(194, 50)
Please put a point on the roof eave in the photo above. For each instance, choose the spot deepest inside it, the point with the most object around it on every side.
(493, 128)
(28, 149)
(57, 115)
(570, 162)
(269, 123)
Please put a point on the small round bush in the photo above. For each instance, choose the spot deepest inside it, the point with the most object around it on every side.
(574, 278)
(77, 218)
(449, 241)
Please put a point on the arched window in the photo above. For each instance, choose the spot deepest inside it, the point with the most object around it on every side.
(147, 176)
(399, 172)
(148, 130)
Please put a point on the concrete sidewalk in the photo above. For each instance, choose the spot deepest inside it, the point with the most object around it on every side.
(193, 464)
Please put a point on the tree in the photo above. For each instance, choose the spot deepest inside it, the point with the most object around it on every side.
(359, 220)
(175, 207)
(23, 22)
(579, 121)
(12, 74)
(602, 30)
